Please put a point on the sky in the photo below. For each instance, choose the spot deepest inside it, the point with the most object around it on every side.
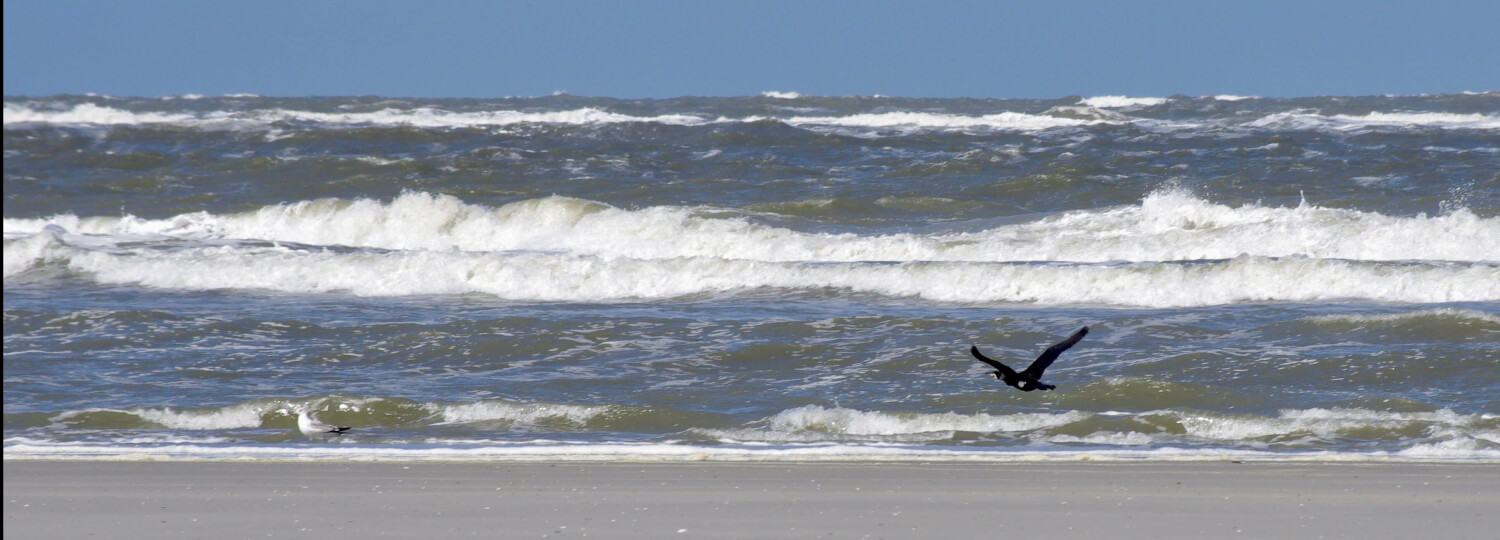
(671, 48)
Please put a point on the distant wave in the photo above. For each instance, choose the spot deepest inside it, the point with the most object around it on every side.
(1119, 102)
(1102, 110)
(1314, 121)
(1006, 121)
(90, 114)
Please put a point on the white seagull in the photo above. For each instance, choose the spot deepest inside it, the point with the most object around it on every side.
(312, 427)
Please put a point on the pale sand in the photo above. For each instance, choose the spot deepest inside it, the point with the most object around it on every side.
(750, 500)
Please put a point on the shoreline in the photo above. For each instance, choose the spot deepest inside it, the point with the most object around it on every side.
(758, 460)
(688, 454)
(840, 499)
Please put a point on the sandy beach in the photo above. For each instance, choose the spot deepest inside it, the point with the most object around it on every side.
(128, 500)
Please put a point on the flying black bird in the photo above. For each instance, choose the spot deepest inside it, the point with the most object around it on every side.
(1031, 378)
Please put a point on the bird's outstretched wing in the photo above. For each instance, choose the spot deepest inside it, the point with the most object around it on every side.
(1040, 364)
(1002, 368)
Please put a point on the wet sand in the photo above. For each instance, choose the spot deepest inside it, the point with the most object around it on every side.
(139, 500)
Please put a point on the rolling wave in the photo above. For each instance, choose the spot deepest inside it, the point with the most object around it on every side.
(1166, 226)
(1171, 250)
(481, 427)
(1111, 110)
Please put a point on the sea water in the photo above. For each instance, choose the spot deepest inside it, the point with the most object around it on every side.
(752, 278)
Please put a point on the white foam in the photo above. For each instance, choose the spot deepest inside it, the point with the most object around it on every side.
(1174, 225)
(21, 448)
(231, 417)
(840, 420)
(1390, 318)
(1428, 119)
(1463, 448)
(1314, 121)
(1119, 102)
(1318, 421)
(547, 277)
(1090, 111)
(827, 433)
(437, 118)
(89, 113)
(560, 249)
(1166, 226)
(424, 117)
(27, 250)
(521, 413)
(815, 424)
(917, 121)
(1106, 438)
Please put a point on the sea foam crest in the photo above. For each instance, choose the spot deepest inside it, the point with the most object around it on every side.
(520, 413)
(429, 117)
(1120, 102)
(423, 117)
(547, 277)
(1099, 110)
(1170, 251)
(1322, 422)
(814, 423)
(28, 250)
(1466, 315)
(854, 422)
(1175, 225)
(915, 121)
(240, 416)
(437, 118)
(89, 113)
(1313, 121)
(231, 417)
(197, 449)
(1165, 226)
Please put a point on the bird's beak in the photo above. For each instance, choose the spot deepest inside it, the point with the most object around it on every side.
(994, 375)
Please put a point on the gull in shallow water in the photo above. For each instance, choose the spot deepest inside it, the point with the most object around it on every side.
(312, 427)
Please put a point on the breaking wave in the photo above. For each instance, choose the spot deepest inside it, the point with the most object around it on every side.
(1170, 250)
(814, 431)
(1111, 110)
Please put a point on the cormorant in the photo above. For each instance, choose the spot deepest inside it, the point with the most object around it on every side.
(1031, 378)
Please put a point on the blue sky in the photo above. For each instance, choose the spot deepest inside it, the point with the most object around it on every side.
(661, 48)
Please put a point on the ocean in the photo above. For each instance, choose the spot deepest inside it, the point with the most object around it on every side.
(773, 277)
